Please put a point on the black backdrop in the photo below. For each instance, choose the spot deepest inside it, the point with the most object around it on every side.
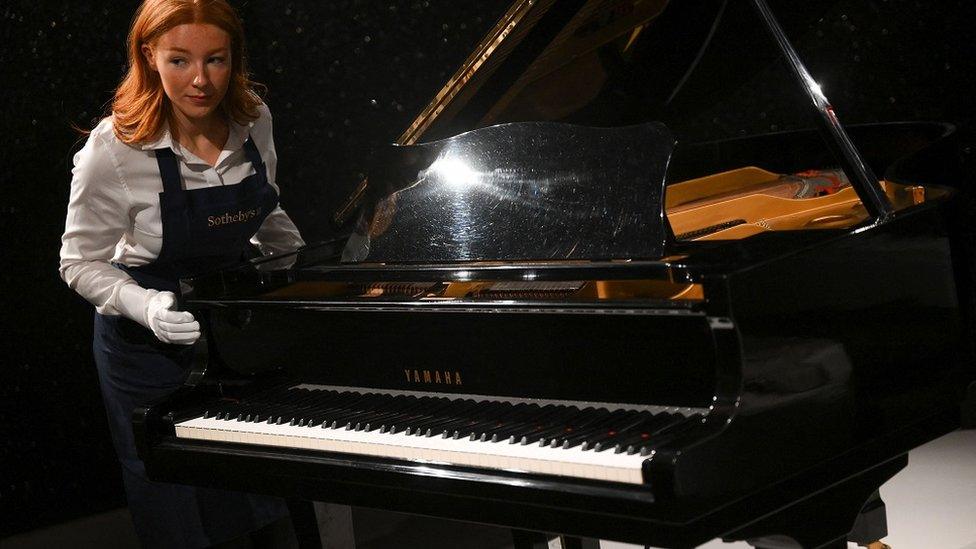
(342, 75)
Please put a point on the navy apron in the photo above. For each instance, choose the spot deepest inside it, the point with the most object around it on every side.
(203, 229)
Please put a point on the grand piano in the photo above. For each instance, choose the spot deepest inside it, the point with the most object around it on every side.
(554, 313)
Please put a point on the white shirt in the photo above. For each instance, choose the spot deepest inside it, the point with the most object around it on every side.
(114, 215)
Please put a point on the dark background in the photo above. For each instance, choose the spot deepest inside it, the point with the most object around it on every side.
(342, 75)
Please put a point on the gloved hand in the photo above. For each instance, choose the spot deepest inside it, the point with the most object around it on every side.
(170, 326)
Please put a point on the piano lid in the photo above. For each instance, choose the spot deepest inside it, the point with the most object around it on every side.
(605, 63)
(545, 60)
(521, 191)
(625, 62)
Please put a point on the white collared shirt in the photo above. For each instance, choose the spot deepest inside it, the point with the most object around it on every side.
(113, 210)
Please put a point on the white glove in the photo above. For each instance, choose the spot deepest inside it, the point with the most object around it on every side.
(170, 326)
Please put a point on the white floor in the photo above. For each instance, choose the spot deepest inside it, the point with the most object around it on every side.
(931, 504)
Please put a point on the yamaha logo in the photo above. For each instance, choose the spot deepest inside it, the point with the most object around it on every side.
(433, 377)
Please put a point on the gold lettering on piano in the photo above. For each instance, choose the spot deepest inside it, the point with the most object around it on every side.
(433, 377)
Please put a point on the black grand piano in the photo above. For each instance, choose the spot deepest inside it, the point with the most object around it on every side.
(555, 314)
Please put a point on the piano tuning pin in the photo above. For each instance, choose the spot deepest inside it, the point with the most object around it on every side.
(206, 414)
(645, 451)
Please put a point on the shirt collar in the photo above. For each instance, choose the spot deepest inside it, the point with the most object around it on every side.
(164, 141)
(236, 137)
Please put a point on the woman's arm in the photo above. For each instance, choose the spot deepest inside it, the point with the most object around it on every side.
(98, 216)
(278, 234)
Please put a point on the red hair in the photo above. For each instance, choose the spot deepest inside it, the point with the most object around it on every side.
(140, 106)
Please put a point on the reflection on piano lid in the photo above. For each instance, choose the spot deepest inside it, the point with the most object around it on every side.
(557, 312)
(515, 192)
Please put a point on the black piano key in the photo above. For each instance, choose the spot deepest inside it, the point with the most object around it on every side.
(483, 431)
(335, 416)
(662, 433)
(520, 424)
(524, 421)
(398, 420)
(615, 432)
(642, 433)
(379, 411)
(578, 425)
(596, 428)
(385, 409)
(455, 418)
(559, 426)
(552, 425)
(411, 423)
(299, 405)
(327, 411)
(283, 411)
(481, 412)
(538, 422)
(347, 417)
(435, 418)
(370, 409)
(324, 404)
(486, 418)
(447, 419)
(256, 404)
(404, 405)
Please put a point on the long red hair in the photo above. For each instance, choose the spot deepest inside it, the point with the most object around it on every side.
(140, 106)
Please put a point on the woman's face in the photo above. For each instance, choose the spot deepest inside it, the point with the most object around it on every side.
(193, 62)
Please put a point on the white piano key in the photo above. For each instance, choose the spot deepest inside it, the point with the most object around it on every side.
(573, 462)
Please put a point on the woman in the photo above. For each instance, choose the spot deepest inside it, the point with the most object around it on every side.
(177, 181)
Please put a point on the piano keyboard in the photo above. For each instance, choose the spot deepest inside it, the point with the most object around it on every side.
(522, 436)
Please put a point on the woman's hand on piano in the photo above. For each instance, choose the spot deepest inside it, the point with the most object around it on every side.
(170, 326)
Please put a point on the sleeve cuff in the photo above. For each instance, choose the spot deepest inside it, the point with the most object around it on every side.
(131, 302)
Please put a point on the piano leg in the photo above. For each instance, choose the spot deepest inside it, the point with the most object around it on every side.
(580, 543)
(524, 539)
